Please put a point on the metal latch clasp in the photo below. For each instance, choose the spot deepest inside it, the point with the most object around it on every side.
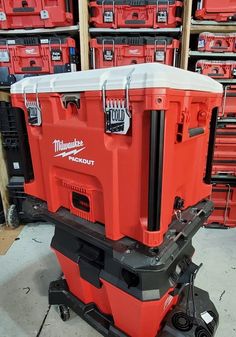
(33, 109)
(117, 111)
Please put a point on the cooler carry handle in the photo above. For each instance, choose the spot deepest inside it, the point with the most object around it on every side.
(211, 146)
(157, 130)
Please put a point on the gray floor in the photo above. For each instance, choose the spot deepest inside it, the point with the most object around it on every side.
(29, 266)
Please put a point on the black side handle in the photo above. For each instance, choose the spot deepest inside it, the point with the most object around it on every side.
(211, 146)
(157, 127)
(135, 22)
(68, 7)
(195, 132)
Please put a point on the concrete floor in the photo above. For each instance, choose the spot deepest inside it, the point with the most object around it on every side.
(29, 266)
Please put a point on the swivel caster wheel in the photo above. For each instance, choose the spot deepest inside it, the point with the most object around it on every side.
(64, 312)
(12, 217)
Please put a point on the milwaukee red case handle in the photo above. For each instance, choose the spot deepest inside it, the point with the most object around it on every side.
(195, 132)
(211, 146)
(24, 8)
(157, 127)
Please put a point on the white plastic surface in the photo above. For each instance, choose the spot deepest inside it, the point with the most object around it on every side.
(149, 75)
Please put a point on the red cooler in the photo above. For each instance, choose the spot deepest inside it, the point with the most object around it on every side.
(126, 146)
(216, 10)
(15, 14)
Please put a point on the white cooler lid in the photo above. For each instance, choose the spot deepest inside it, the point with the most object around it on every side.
(148, 75)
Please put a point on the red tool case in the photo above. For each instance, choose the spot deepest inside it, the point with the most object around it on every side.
(216, 10)
(22, 57)
(136, 14)
(217, 69)
(224, 164)
(224, 199)
(16, 14)
(109, 182)
(108, 51)
(228, 108)
(217, 42)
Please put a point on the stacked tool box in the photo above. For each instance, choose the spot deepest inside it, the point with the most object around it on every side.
(221, 11)
(122, 164)
(127, 47)
(224, 168)
(19, 165)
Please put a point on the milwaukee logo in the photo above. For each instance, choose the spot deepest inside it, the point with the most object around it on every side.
(70, 150)
(59, 145)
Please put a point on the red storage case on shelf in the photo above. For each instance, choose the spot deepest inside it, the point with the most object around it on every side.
(217, 69)
(98, 137)
(30, 56)
(228, 108)
(108, 51)
(217, 42)
(224, 199)
(16, 14)
(136, 14)
(216, 10)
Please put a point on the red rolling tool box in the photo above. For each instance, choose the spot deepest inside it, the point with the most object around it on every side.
(140, 115)
(216, 10)
(107, 51)
(224, 199)
(217, 69)
(228, 108)
(23, 57)
(123, 288)
(217, 42)
(136, 14)
(16, 14)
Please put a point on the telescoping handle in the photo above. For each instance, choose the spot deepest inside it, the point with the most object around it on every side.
(211, 146)
(157, 127)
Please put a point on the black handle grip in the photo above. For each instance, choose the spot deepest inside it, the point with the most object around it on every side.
(135, 22)
(68, 7)
(211, 146)
(23, 9)
(157, 128)
(195, 132)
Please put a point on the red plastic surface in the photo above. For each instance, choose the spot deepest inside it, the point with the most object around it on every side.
(132, 316)
(217, 10)
(217, 43)
(224, 198)
(112, 171)
(132, 54)
(35, 13)
(37, 58)
(217, 69)
(157, 15)
(228, 107)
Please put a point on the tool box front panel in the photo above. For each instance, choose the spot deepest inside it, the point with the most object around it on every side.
(124, 14)
(216, 10)
(118, 51)
(30, 56)
(217, 43)
(144, 317)
(35, 14)
(97, 175)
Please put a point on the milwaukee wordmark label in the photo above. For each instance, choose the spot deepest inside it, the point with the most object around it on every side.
(72, 151)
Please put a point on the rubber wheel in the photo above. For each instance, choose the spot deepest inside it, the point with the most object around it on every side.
(12, 217)
(64, 312)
